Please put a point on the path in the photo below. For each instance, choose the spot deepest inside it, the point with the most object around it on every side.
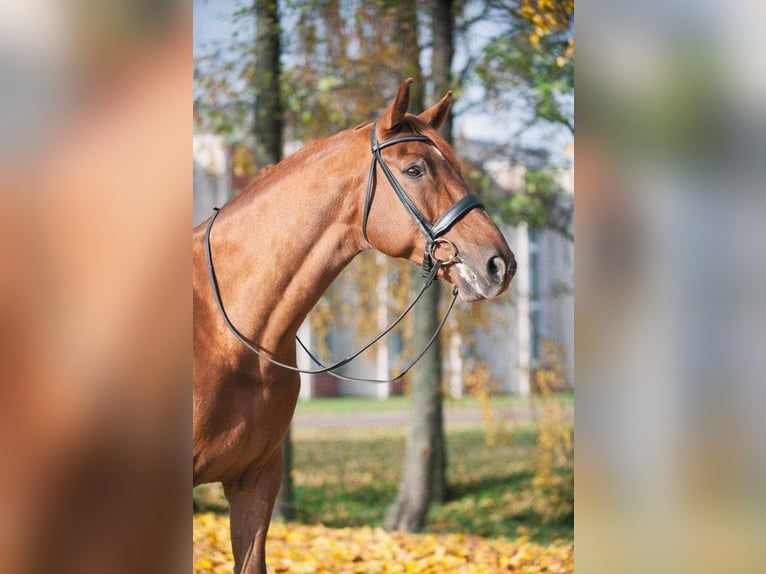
(452, 417)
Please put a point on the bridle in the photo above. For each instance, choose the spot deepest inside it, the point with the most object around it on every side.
(431, 264)
(431, 231)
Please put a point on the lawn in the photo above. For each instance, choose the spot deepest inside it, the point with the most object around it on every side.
(346, 477)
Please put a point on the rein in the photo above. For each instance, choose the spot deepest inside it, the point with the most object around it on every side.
(431, 264)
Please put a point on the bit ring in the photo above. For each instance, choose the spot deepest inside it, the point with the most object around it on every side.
(453, 258)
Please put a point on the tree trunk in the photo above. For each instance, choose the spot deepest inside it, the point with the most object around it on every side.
(424, 478)
(442, 20)
(267, 131)
(407, 32)
(268, 125)
(424, 454)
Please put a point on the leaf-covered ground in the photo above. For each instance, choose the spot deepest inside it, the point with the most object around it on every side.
(298, 548)
(345, 478)
(348, 477)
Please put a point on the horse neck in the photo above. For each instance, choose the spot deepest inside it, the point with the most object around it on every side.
(279, 246)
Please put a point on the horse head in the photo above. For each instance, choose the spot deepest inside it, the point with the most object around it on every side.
(450, 225)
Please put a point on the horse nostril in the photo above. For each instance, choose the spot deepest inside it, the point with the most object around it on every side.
(496, 268)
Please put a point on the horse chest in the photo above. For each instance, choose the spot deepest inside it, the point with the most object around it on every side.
(241, 421)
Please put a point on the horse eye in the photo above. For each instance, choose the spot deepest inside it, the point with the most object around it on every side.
(413, 171)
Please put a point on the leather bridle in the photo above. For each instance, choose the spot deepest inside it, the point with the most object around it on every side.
(431, 264)
(431, 231)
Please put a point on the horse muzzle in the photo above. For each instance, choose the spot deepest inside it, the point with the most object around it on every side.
(485, 276)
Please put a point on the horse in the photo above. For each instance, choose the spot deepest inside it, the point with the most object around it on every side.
(278, 246)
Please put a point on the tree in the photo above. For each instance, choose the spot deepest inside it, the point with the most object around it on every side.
(424, 477)
(443, 17)
(268, 129)
(532, 61)
(542, 204)
(268, 125)
(347, 59)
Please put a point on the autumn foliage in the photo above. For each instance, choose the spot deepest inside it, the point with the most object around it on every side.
(554, 446)
(502, 516)
(298, 548)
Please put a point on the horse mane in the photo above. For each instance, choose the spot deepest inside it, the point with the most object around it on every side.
(364, 124)
(298, 156)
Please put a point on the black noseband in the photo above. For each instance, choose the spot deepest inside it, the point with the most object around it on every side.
(431, 231)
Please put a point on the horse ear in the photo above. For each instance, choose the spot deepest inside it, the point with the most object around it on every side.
(436, 114)
(394, 113)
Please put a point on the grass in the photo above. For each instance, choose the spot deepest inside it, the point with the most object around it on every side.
(348, 477)
(402, 403)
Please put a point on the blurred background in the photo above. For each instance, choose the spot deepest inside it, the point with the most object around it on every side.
(95, 299)
(493, 403)
(670, 278)
(95, 121)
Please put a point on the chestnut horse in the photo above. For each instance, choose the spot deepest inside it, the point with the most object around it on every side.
(277, 248)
